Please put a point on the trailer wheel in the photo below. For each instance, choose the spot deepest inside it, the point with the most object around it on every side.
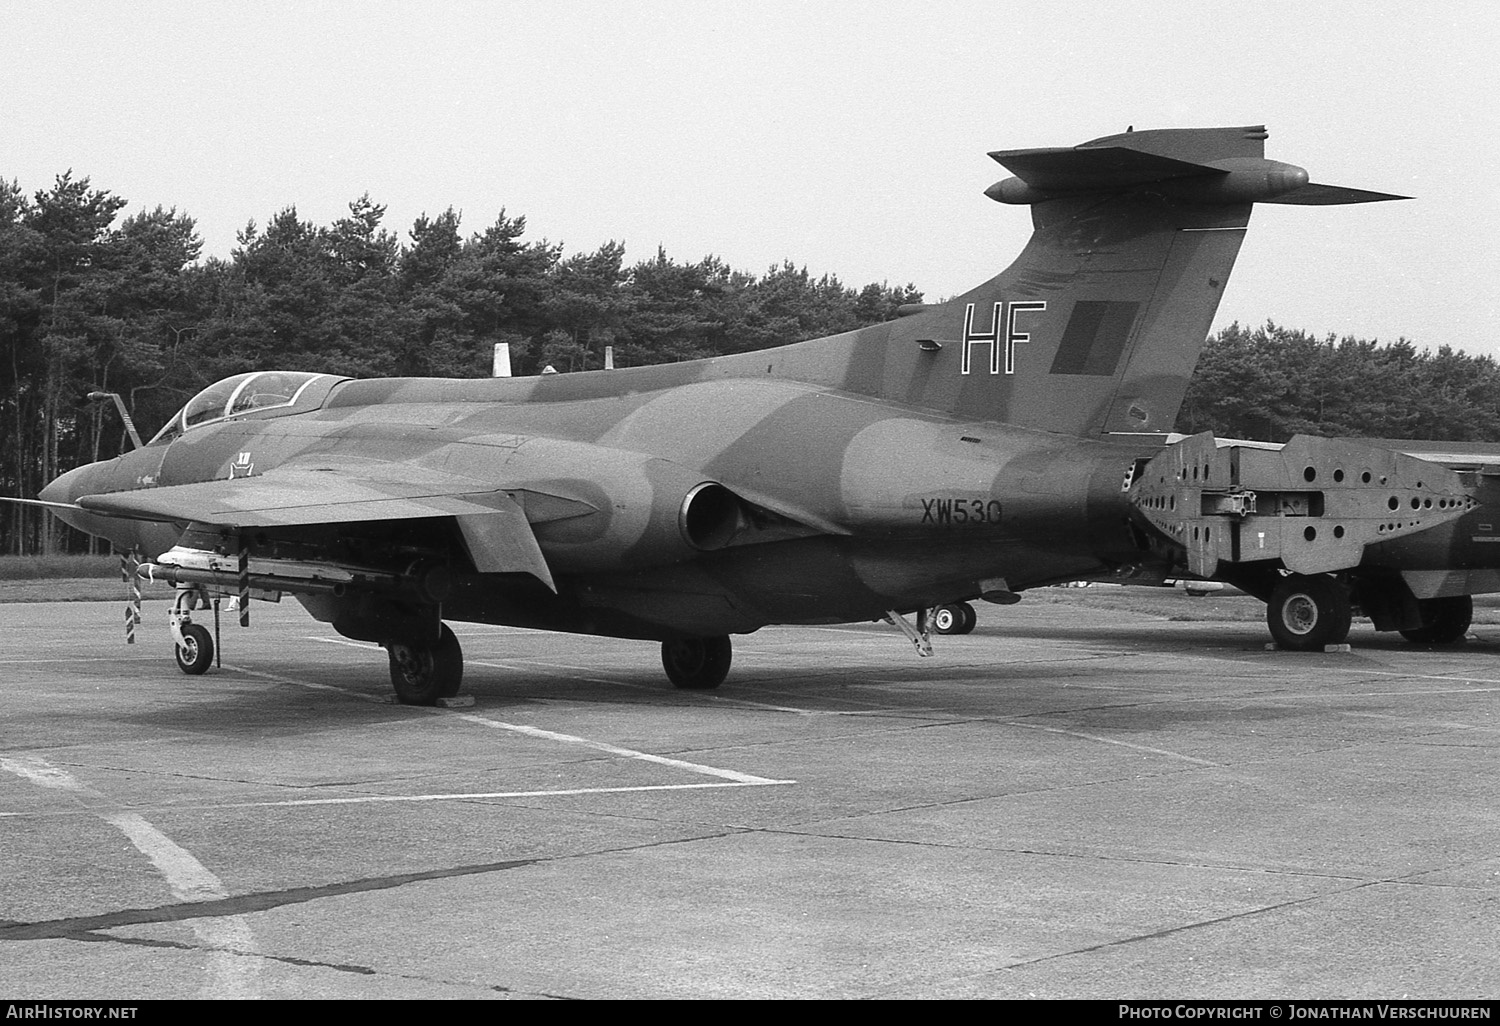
(1307, 612)
(1444, 620)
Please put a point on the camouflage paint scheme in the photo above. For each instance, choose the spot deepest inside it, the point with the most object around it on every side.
(979, 446)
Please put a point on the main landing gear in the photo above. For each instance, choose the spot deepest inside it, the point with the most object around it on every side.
(957, 618)
(424, 673)
(697, 664)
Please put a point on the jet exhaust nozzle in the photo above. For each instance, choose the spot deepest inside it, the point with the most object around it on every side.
(710, 516)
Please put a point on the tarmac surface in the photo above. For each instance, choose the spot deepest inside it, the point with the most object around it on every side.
(1066, 803)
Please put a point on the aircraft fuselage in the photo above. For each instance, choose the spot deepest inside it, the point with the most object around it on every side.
(865, 506)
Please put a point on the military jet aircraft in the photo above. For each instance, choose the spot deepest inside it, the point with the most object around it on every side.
(968, 449)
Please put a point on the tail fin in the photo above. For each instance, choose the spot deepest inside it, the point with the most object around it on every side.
(1097, 325)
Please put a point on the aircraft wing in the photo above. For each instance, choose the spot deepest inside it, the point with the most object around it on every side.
(495, 521)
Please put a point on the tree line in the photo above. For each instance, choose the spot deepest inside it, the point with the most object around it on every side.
(90, 301)
(1271, 383)
(90, 304)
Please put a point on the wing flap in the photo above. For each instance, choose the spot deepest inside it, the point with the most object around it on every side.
(501, 541)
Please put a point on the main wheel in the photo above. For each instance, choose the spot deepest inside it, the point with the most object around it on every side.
(947, 620)
(970, 618)
(954, 618)
(196, 653)
(1444, 620)
(421, 674)
(1307, 612)
(697, 664)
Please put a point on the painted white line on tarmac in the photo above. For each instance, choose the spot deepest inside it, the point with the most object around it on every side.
(1110, 741)
(309, 684)
(42, 773)
(1427, 676)
(75, 659)
(189, 879)
(375, 799)
(229, 973)
(628, 753)
(522, 665)
(1434, 724)
(343, 641)
(549, 735)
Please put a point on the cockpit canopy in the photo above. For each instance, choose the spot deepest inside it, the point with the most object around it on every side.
(255, 392)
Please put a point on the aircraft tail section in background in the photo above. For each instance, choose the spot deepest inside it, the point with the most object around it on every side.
(1097, 325)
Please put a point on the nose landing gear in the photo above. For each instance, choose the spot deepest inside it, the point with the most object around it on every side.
(191, 643)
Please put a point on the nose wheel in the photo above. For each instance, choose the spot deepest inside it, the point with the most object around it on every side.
(192, 644)
(195, 652)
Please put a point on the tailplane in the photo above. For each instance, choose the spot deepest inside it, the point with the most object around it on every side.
(1097, 325)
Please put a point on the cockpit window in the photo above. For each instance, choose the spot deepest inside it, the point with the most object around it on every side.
(250, 393)
(266, 390)
(209, 404)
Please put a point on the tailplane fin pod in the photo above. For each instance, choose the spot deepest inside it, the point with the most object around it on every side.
(1097, 325)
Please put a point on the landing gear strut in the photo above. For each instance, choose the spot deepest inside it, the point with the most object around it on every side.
(1307, 612)
(424, 673)
(697, 664)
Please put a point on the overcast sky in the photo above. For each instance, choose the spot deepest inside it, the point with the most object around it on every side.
(849, 137)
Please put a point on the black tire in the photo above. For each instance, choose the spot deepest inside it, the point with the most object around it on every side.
(948, 620)
(697, 664)
(970, 618)
(1306, 613)
(1444, 620)
(422, 674)
(196, 653)
(954, 618)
